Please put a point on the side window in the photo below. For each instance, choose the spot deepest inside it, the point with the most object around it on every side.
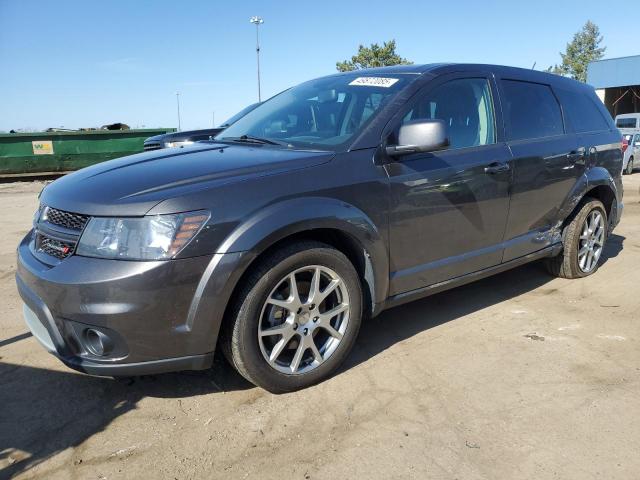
(583, 114)
(466, 107)
(531, 110)
(626, 123)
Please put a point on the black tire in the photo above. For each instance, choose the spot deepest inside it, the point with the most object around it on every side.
(629, 169)
(565, 265)
(240, 331)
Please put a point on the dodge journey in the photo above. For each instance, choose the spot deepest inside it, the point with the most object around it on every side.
(327, 204)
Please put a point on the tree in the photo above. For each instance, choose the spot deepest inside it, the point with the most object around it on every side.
(373, 56)
(584, 48)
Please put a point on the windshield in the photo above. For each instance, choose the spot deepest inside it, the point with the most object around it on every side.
(239, 115)
(323, 114)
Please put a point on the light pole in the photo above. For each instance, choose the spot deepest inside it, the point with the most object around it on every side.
(257, 21)
(178, 103)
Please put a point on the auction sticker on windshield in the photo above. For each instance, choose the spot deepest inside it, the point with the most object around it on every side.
(374, 82)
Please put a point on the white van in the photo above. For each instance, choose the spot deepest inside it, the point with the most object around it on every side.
(628, 122)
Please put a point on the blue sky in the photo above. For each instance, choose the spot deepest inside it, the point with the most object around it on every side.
(87, 63)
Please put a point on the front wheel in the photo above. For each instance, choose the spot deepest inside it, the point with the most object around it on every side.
(629, 169)
(584, 240)
(296, 317)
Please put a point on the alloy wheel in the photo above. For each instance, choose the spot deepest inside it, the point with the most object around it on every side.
(591, 241)
(303, 320)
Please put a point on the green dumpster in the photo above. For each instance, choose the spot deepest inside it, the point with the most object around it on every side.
(56, 152)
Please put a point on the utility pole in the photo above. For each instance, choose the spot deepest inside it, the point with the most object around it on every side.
(213, 119)
(257, 21)
(178, 103)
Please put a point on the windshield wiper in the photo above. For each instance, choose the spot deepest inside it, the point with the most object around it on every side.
(252, 139)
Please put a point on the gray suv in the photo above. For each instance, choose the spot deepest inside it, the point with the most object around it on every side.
(329, 203)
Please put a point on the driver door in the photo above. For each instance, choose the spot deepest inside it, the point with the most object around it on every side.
(449, 208)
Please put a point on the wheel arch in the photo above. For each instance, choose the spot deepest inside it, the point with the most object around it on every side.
(595, 183)
(336, 223)
(328, 220)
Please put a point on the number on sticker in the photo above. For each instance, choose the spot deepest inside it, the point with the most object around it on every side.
(374, 82)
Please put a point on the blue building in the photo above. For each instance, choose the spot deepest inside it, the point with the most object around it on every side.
(617, 83)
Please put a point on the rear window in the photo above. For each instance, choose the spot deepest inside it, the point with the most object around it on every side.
(582, 112)
(532, 110)
(626, 122)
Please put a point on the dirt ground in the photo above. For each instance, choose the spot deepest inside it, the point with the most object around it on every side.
(516, 376)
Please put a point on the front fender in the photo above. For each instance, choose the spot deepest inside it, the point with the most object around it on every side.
(266, 227)
(297, 215)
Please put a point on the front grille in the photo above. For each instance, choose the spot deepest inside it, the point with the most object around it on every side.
(152, 146)
(51, 246)
(72, 221)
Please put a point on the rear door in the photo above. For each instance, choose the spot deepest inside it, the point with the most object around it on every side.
(449, 208)
(585, 114)
(547, 162)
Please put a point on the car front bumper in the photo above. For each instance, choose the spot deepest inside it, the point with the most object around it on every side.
(154, 316)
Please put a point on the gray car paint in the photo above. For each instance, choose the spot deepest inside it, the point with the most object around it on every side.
(420, 224)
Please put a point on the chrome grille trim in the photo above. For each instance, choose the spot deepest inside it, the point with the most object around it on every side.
(71, 221)
(56, 248)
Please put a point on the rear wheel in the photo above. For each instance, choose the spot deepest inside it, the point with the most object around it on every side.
(584, 240)
(296, 317)
(629, 169)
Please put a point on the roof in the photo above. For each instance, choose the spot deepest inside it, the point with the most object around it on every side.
(397, 69)
(443, 68)
(614, 72)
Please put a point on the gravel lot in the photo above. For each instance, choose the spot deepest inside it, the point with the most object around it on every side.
(516, 376)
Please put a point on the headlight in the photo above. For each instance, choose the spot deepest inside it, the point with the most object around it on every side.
(36, 216)
(182, 143)
(158, 237)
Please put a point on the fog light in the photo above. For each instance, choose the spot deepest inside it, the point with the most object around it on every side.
(97, 342)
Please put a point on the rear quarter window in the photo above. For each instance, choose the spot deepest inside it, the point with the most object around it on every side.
(532, 110)
(582, 112)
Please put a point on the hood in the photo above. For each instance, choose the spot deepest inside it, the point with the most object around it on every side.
(155, 138)
(185, 135)
(133, 185)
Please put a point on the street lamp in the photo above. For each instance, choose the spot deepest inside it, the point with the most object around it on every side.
(257, 21)
(178, 103)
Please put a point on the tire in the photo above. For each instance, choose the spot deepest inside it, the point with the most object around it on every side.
(248, 339)
(568, 263)
(629, 169)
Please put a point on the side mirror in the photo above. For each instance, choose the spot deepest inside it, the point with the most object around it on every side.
(420, 136)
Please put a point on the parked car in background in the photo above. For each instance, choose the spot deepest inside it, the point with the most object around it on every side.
(631, 150)
(187, 137)
(329, 203)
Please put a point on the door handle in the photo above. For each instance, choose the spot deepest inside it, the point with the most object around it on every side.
(496, 167)
(577, 155)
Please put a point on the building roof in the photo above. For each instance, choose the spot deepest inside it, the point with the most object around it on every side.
(614, 72)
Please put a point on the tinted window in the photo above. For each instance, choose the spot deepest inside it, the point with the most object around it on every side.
(532, 110)
(626, 123)
(583, 114)
(239, 115)
(466, 107)
(324, 114)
